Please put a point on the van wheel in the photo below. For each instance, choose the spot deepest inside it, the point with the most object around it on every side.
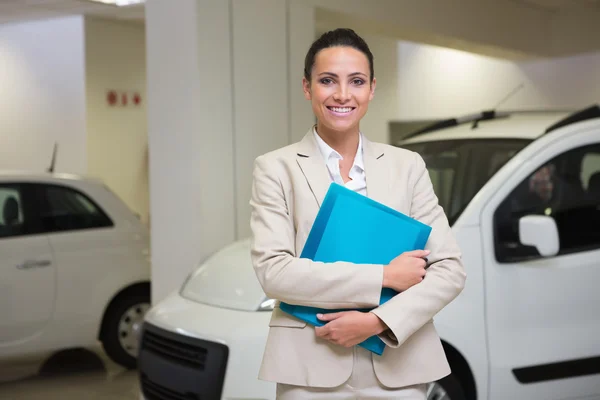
(447, 388)
(121, 331)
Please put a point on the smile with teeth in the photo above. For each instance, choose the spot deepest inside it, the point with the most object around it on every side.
(341, 109)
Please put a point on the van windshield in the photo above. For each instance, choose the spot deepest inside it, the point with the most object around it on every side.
(459, 168)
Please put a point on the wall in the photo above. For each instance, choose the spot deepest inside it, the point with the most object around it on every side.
(436, 82)
(563, 82)
(43, 95)
(384, 106)
(117, 140)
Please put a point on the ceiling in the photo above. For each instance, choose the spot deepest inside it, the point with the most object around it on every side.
(20, 10)
(563, 5)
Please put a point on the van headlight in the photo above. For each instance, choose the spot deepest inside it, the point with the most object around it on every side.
(267, 305)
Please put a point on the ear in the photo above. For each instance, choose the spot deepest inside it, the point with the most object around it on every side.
(373, 84)
(306, 89)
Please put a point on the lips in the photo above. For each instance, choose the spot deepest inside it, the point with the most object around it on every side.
(341, 110)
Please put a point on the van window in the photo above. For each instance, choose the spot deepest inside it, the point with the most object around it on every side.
(566, 188)
(590, 165)
(459, 168)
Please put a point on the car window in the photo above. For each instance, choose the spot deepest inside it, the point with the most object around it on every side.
(65, 209)
(566, 188)
(460, 168)
(12, 221)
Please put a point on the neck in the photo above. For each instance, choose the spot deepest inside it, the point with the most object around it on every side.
(345, 143)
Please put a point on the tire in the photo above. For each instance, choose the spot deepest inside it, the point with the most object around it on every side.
(120, 333)
(447, 388)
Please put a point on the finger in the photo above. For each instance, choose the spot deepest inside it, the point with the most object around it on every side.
(321, 331)
(330, 316)
(417, 253)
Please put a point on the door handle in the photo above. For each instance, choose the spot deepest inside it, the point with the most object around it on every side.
(29, 264)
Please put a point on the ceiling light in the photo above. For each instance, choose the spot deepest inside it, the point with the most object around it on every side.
(120, 3)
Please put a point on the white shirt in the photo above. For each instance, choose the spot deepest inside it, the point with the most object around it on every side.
(358, 180)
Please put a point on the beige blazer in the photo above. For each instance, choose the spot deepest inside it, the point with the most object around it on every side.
(288, 188)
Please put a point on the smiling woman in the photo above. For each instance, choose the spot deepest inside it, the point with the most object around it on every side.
(289, 186)
(339, 81)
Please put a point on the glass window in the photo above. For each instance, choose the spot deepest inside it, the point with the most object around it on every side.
(566, 188)
(589, 167)
(459, 168)
(65, 209)
(11, 212)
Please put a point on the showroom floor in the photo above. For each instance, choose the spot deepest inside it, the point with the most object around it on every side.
(70, 375)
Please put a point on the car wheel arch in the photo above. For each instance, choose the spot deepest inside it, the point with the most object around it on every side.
(135, 288)
(461, 369)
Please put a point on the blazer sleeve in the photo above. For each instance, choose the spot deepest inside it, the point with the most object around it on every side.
(285, 277)
(408, 311)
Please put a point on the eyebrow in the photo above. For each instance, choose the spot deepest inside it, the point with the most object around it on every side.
(336, 75)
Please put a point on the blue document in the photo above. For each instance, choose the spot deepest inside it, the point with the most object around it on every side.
(354, 228)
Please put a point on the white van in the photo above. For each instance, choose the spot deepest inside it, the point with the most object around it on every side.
(522, 192)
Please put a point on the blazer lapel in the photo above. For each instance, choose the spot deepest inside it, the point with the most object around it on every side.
(313, 166)
(315, 171)
(377, 172)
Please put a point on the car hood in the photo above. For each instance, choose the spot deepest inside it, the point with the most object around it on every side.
(226, 279)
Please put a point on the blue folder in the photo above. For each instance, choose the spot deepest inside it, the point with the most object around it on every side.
(354, 228)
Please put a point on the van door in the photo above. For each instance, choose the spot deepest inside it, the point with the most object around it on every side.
(542, 314)
(27, 270)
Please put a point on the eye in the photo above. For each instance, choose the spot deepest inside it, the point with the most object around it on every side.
(326, 81)
(358, 82)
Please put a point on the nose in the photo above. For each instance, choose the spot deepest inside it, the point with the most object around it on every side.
(342, 94)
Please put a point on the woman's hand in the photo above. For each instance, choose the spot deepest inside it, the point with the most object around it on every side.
(349, 328)
(406, 270)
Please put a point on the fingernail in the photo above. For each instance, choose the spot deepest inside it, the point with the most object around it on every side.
(319, 316)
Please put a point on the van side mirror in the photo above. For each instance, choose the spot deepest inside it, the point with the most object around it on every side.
(541, 232)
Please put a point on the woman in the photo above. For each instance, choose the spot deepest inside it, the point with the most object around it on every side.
(288, 187)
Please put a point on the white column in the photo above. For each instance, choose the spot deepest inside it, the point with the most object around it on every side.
(260, 81)
(190, 134)
(218, 96)
(302, 32)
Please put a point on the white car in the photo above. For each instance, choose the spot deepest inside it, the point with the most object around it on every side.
(74, 267)
(522, 192)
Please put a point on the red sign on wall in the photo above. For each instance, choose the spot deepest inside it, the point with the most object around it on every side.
(111, 97)
(122, 98)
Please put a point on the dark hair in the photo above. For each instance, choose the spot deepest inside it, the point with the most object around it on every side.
(339, 37)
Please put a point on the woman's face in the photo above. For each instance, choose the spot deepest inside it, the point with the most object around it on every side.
(339, 90)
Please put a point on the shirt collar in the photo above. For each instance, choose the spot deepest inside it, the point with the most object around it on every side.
(327, 151)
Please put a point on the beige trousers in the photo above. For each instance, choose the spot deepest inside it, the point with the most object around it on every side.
(362, 385)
